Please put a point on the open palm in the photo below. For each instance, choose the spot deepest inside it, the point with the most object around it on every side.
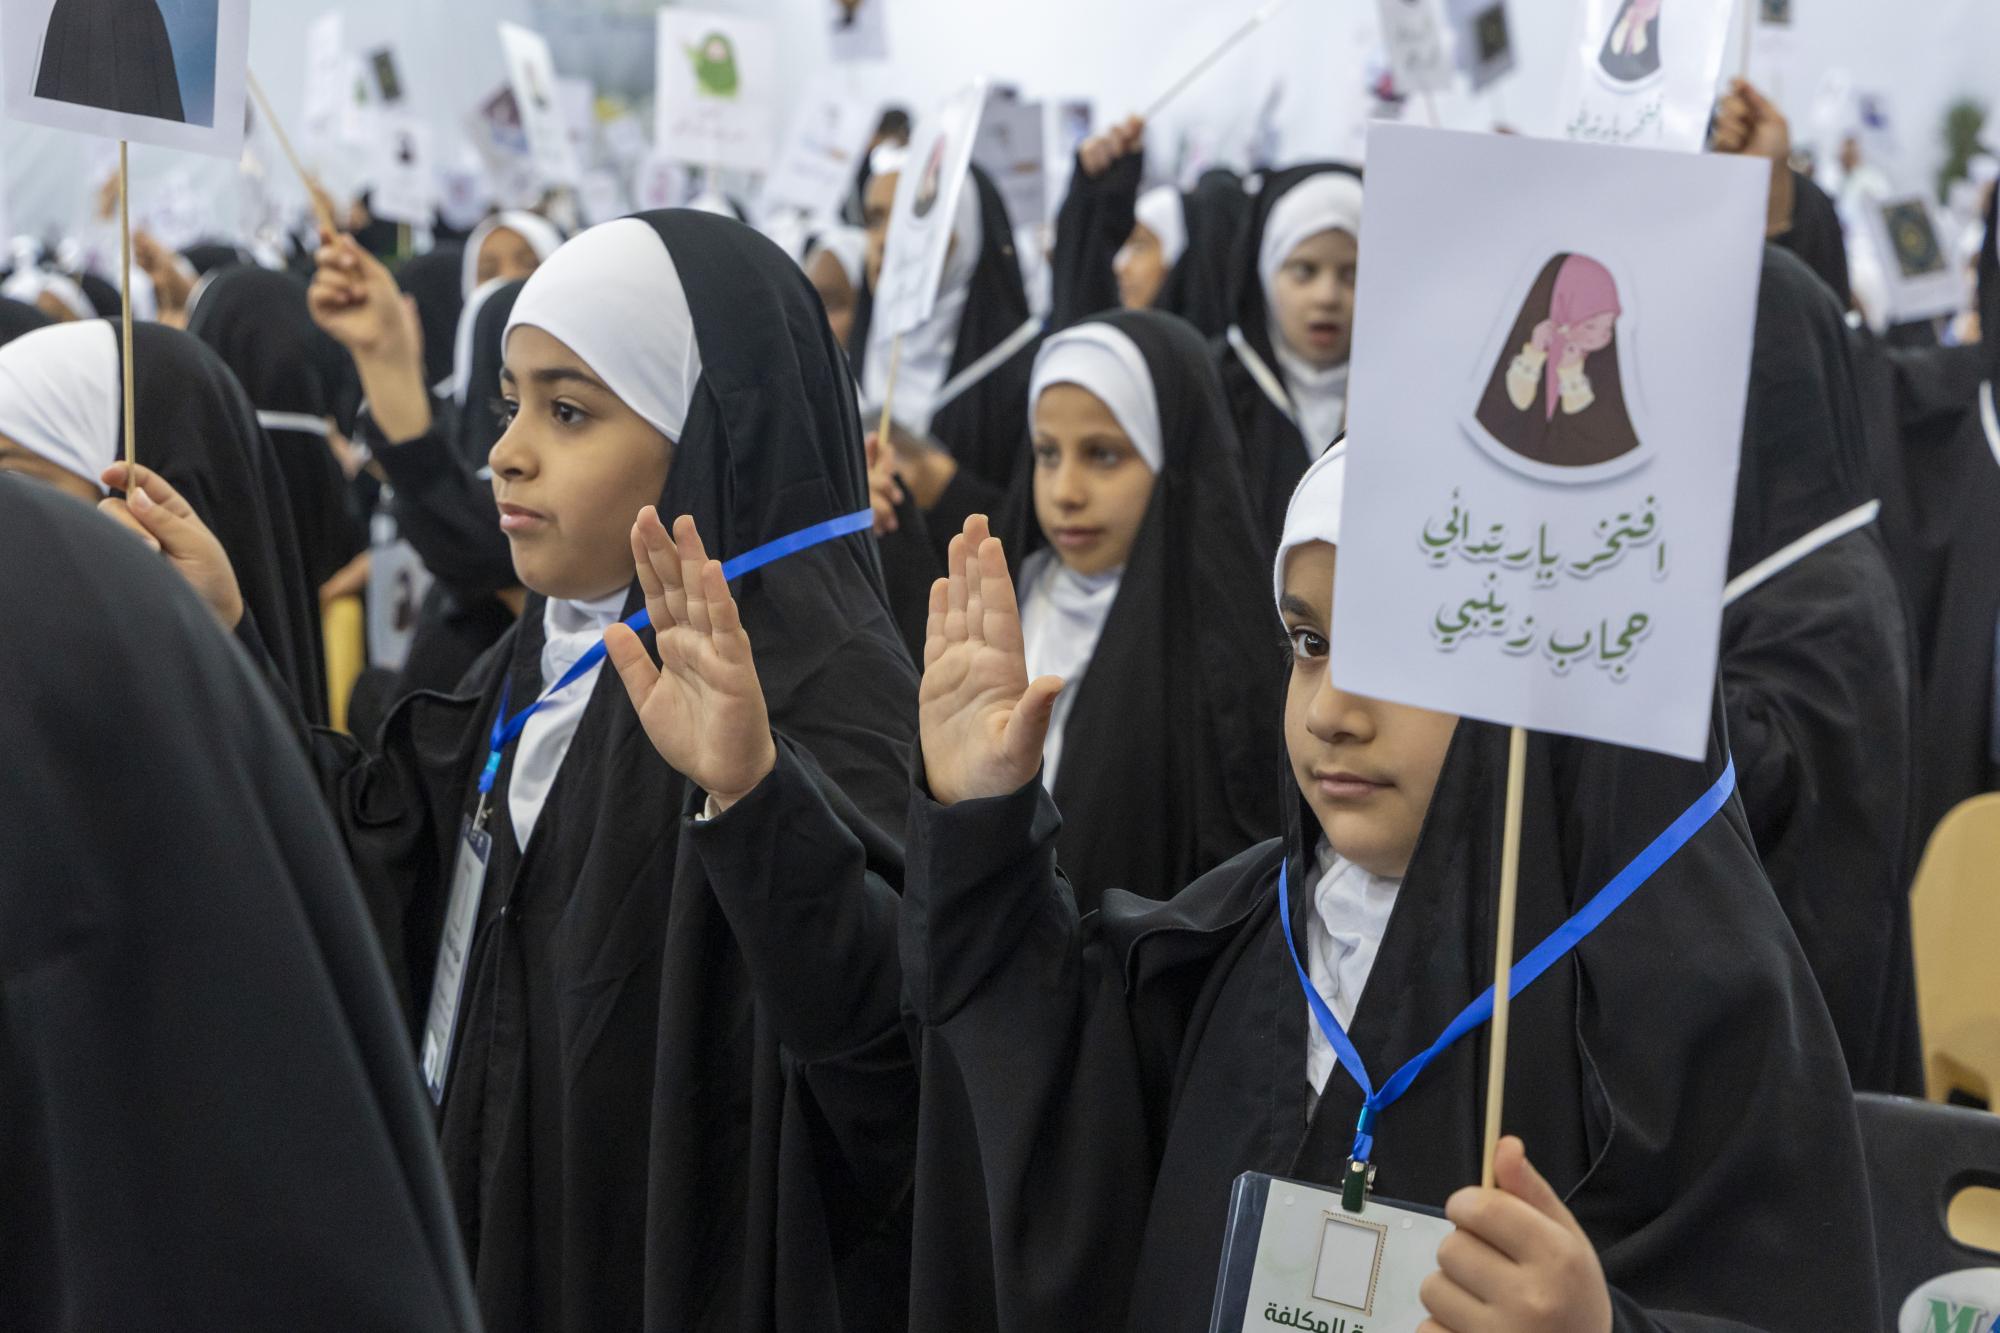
(702, 707)
(983, 721)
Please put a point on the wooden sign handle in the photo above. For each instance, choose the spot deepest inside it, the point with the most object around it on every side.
(320, 210)
(125, 314)
(1503, 947)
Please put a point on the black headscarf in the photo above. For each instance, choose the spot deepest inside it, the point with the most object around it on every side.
(1172, 738)
(1819, 684)
(207, 1100)
(258, 322)
(1817, 237)
(1097, 217)
(478, 428)
(982, 427)
(435, 280)
(198, 430)
(207, 257)
(104, 298)
(1274, 450)
(626, 1143)
(17, 318)
(110, 54)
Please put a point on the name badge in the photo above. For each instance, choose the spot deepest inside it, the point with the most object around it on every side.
(468, 883)
(1294, 1257)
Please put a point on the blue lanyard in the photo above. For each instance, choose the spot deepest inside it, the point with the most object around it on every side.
(1560, 941)
(507, 729)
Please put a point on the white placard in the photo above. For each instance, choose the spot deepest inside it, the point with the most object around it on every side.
(326, 92)
(1010, 148)
(176, 84)
(1643, 72)
(1546, 421)
(1413, 33)
(858, 29)
(531, 70)
(926, 202)
(625, 139)
(816, 166)
(1482, 39)
(578, 99)
(602, 197)
(1920, 278)
(660, 182)
(716, 103)
(385, 77)
(1320, 1267)
(404, 170)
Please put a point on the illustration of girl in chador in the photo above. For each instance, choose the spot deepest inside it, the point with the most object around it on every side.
(1631, 51)
(1556, 397)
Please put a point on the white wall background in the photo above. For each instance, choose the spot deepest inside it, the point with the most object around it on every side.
(1917, 54)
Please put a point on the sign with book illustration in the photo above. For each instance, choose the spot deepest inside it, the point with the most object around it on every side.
(1545, 431)
(926, 202)
(531, 72)
(716, 90)
(1920, 280)
(1643, 72)
(172, 75)
(1413, 35)
(1482, 40)
(404, 170)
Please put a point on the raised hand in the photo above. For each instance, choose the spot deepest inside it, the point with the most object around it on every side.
(165, 521)
(1100, 150)
(1749, 124)
(702, 706)
(356, 300)
(982, 720)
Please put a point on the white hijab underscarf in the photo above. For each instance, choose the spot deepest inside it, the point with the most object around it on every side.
(1064, 612)
(849, 248)
(614, 297)
(30, 284)
(542, 236)
(925, 362)
(60, 396)
(1161, 211)
(1329, 201)
(1351, 906)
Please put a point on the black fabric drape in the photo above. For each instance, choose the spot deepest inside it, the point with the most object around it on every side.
(208, 1103)
(1819, 684)
(435, 279)
(17, 318)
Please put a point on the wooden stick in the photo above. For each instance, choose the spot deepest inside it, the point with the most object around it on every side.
(1503, 947)
(320, 209)
(125, 315)
(1749, 31)
(1431, 107)
(1202, 67)
(889, 390)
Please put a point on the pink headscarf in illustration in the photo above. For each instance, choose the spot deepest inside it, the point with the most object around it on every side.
(1584, 290)
(1637, 15)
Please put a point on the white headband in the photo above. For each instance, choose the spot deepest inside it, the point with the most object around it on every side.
(1106, 363)
(542, 236)
(60, 395)
(1314, 514)
(613, 296)
(1161, 211)
(1329, 201)
(29, 284)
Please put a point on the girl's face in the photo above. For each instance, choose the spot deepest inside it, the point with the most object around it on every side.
(1141, 268)
(1091, 485)
(876, 205)
(27, 463)
(1313, 298)
(1367, 768)
(572, 472)
(836, 293)
(506, 254)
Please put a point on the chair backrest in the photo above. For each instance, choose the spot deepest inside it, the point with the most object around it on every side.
(1955, 922)
(1920, 1155)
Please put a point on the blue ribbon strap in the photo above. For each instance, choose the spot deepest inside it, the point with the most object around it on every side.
(506, 730)
(1537, 961)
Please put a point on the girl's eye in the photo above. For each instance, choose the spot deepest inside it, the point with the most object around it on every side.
(1306, 645)
(1046, 455)
(1103, 457)
(567, 414)
(504, 411)
(1303, 272)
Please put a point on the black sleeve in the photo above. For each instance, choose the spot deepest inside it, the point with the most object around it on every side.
(814, 911)
(444, 509)
(966, 494)
(1033, 1147)
(1095, 220)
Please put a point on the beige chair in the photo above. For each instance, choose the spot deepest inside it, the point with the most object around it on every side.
(344, 629)
(1955, 913)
